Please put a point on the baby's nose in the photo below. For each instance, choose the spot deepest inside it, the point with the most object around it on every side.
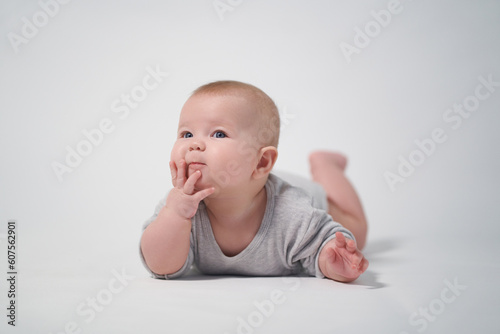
(197, 145)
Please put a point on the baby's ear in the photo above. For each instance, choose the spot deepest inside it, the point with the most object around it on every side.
(268, 157)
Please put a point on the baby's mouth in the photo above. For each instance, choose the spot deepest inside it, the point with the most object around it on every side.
(193, 167)
(196, 165)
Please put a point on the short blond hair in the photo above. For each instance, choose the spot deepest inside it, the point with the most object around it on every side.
(265, 108)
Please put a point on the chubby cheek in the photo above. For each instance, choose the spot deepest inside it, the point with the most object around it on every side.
(230, 167)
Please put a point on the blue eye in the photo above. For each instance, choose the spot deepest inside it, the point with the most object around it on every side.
(187, 135)
(219, 134)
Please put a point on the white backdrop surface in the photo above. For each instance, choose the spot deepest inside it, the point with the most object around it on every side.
(90, 93)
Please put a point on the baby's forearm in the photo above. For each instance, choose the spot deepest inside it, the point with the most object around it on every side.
(165, 242)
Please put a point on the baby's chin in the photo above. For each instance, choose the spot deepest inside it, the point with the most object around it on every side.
(203, 182)
(209, 178)
(201, 186)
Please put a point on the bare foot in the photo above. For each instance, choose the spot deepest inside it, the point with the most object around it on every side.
(322, 158)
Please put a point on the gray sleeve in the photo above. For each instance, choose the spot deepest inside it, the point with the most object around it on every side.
(314, 236)
(190, 259)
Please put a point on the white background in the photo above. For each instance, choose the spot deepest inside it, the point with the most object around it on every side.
(440, 224)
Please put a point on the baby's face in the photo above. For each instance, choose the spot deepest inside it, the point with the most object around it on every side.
(216, 135)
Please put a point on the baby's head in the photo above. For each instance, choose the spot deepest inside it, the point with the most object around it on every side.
(230, 131)
(263, 113)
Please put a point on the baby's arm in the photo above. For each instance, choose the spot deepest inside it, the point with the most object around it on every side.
(341, 260)
(165, 242)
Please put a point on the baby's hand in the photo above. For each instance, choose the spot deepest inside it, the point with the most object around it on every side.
(341, 260)
(182, 198)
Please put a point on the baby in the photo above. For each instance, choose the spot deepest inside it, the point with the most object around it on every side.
(228, 214)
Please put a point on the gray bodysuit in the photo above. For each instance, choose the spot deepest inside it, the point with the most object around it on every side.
(293, 231)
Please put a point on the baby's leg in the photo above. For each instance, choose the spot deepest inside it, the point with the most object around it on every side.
(327, 169)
